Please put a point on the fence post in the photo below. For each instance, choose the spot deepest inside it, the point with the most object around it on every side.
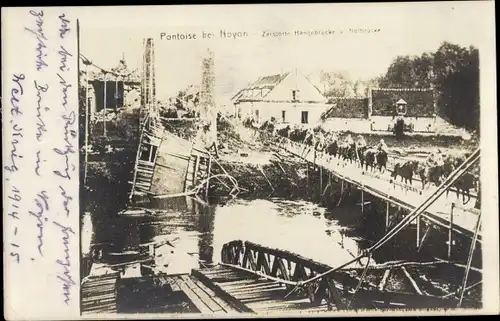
(418, 232)
(450, 231)
(321, 178)
(387, 216)
(362, 199)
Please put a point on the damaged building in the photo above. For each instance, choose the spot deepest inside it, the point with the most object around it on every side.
(112, 89)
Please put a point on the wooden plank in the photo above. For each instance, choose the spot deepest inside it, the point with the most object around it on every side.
(145, 163)
(198, 303)
(412, 281)
(101, 296)
(384, 280)
(257, 289)
(206, 299)
(223, 274)
(196, 166)
(248, 284)
(242, 283)
(292, 306)
(173, 284)
(276, 292)
(216, 270)
(229, 278)
(238, 305)
(225, 305)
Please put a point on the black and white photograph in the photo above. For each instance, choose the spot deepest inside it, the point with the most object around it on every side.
(283, 160)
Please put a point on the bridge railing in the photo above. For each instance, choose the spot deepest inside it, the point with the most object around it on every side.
(304, 151)
(324, 159)
(289, 268)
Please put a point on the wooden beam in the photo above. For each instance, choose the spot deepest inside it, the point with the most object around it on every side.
(381, 286)
(204, 297)
(412, 281)
(232, 301)
(450, 231)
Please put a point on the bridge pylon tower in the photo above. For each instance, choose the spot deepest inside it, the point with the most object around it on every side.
(148, 83)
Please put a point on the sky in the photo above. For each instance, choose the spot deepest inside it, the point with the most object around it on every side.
(404, 29)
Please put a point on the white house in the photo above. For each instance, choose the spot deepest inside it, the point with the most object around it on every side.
(289, 98)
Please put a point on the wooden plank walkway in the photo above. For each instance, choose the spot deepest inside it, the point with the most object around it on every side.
(380, 185)
(202, 297)
(253, 294)
(98, 294)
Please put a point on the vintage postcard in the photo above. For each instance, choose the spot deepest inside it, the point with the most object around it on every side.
(250, 161)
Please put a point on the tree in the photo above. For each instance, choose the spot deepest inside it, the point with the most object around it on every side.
(422, 67)
(179, 104)
(400, 73)
(409, 72)
(456, 72)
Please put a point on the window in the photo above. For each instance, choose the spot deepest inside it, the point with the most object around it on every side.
(304, 119)
(283, 114)
(294, 95)
(257, 115)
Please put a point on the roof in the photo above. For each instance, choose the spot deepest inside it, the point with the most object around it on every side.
(238, 94)
(119, 73)
(266, 82)
(401, 102)
(265, 86)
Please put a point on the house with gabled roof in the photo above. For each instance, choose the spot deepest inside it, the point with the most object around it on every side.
(289, 97)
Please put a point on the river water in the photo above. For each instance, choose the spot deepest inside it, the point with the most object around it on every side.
(196, 231)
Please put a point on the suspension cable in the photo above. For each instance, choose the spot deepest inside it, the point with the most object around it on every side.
(469, 261)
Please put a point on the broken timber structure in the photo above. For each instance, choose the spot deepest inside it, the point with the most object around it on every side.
(167, 165)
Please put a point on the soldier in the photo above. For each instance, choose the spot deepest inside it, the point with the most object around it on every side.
(381, 146)
(309, 136)
(361, 142)
(435, 159)
(320, 141)
(349, 140)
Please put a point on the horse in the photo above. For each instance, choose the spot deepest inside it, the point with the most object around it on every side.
(284, 132)
(310, 139)
(332, 148)
(350, 152)
(298, 135)
(381, 158)
(360, 151)
(406, 170)
(344, 151)
(248, 122)
(464, 184)
(369, 157)
(267, 126)
(430, 174)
